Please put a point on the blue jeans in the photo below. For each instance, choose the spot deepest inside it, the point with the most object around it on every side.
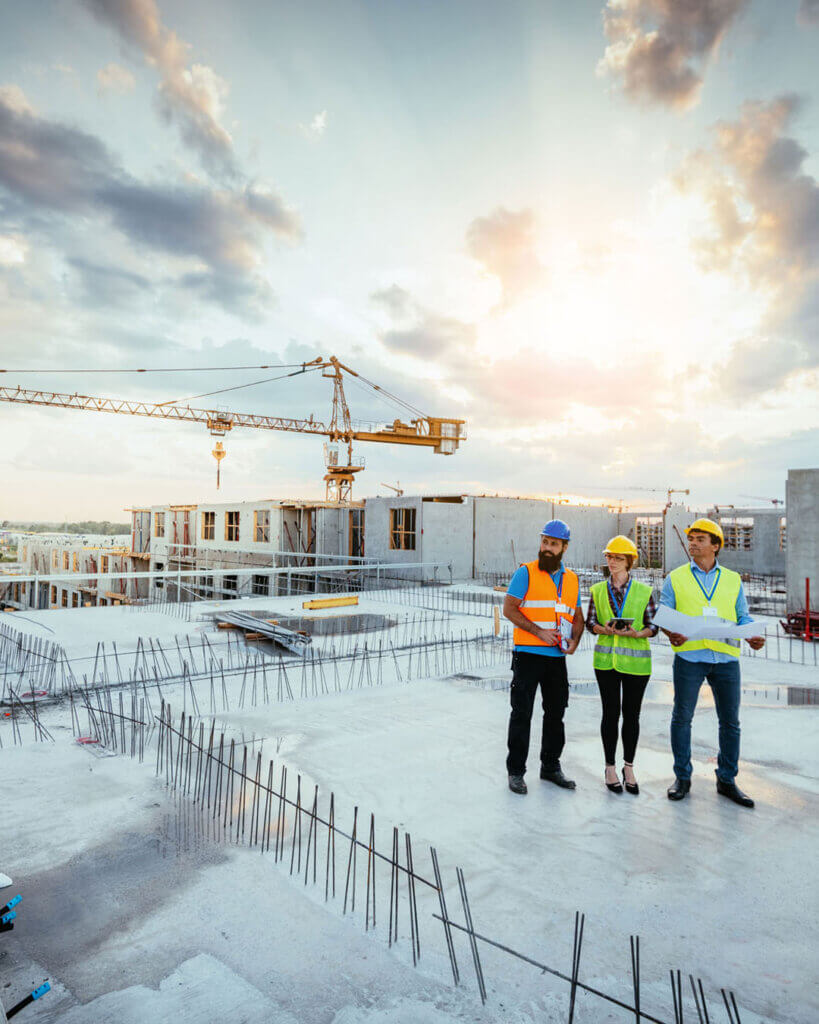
(723, 679)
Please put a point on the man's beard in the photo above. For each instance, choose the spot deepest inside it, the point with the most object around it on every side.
(547, 562)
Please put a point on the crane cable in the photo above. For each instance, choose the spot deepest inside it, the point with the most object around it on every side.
(167, 369)
(303, 368)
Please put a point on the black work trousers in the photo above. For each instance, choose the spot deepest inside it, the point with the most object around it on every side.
(528, 672)
(620, 692)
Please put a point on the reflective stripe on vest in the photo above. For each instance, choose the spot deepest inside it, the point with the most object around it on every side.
(543, 604)
(691, 599)
(630, 655)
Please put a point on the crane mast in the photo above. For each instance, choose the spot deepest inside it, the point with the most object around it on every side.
(442, 434)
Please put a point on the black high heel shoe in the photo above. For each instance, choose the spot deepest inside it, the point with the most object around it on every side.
(615, 787)
(632, 788)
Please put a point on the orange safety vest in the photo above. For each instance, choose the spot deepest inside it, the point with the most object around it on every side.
(543, 604)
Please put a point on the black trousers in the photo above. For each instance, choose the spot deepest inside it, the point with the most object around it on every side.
(620, 692)
(528, 672)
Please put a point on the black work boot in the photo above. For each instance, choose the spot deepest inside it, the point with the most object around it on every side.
(517, 785)
(733, 792)
(679, 790)
(556, 776)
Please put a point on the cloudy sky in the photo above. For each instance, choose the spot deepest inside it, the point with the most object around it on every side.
(590, 229)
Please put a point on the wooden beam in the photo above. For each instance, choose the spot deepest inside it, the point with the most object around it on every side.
(330, 602)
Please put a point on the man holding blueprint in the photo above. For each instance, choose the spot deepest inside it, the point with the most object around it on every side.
(704, 613)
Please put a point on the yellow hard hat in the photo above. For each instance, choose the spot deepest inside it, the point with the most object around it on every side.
(707, 526)
(621, 545)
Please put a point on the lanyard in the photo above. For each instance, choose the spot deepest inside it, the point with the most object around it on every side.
(702, 588)
(618, 608)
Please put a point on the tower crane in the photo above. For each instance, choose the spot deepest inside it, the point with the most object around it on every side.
(442, 434)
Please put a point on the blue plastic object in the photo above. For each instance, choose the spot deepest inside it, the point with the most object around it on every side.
(41, 991)
(9, 917)
(556, 528)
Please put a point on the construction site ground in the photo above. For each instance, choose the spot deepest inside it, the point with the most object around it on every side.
(136, 907)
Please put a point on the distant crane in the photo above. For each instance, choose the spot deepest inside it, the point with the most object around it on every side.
(442, 434)
(398, 490)
(756, 497)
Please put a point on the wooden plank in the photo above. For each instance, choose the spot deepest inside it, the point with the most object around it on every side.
(330, 602)
(225, 625)
(255, 636)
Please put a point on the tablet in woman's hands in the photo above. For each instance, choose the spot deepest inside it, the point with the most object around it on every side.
(621, 623)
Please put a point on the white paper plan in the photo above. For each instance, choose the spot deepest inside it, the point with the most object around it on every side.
(704, 627)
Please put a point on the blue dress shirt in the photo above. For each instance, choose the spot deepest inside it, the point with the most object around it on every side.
(518, 586)
(707, 581)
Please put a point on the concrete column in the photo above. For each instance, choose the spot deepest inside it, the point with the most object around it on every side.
(802, 554)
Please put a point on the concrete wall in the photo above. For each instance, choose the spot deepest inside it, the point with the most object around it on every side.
(676, 550)
(802, 551)
(377, 529)
(447, 535)
(507, 532)
(766, 557)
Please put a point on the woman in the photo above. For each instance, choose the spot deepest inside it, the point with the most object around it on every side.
(622, 659)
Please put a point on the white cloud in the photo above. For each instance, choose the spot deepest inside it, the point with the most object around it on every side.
(317, 126)
(14, 99)
(658, 49)
(190, 95)
(13, 250)
(115, 78)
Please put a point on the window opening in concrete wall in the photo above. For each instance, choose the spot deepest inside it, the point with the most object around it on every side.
(103, 563)
(261, 585)
(402, 529)
(739, 532)
(457, 499)
(357, 532)
(299, 533)
(230, 584)
(261, 526)
(160, 583)
(208, 526)
(649, 540)
(53, 595)
(783, 533)
(75, 600)
(159, 524)
(65, 559)
(232, 525)
(55, 558)
(64, 600)
(75, 565)
(206, 586)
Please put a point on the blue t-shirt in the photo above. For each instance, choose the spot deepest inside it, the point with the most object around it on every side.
(518, 586)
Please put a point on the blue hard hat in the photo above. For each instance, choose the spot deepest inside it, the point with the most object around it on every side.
(556, 528)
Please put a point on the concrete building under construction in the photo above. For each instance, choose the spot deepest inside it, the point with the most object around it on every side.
(201, 551)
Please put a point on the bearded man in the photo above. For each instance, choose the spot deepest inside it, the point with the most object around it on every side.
(543, 604)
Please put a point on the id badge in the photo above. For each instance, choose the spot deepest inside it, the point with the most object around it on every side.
(710, 613)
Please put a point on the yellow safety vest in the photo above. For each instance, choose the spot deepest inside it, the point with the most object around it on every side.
(691, 599)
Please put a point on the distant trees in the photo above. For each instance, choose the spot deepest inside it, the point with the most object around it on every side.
(104, 527)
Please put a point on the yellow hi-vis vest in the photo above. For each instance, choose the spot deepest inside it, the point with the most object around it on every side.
(691, 599)
(628, 654)
(544, 605)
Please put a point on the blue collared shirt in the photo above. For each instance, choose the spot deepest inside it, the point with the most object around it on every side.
(518, 586)
(707, 581)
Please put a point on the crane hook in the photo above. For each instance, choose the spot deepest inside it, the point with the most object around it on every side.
(218, 453)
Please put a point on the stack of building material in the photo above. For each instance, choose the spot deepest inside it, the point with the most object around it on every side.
(297, 642)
